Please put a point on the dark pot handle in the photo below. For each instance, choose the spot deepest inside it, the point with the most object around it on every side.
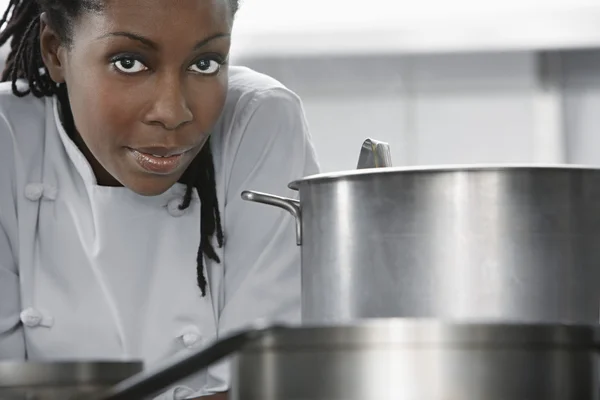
(152, 383)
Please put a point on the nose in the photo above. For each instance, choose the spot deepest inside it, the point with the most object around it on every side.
(170, 108)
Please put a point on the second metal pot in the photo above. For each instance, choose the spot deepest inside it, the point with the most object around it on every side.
(419, 360)
(499, 243)
(394, 360)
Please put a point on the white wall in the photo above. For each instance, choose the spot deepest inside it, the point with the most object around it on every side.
(315, 27)
(582, 103)
(442, 109)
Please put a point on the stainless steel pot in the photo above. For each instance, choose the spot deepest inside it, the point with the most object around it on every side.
(61, 380)
(419, 360)
(499, 243)
(394, 360)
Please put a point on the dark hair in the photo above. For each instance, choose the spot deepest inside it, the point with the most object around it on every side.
(22, 19)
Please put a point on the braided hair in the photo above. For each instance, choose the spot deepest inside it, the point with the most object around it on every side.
(21, 21)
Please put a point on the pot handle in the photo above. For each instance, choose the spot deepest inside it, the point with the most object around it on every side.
(290, 205)
(151, 383)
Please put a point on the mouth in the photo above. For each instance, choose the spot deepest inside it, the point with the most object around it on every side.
(159, 160)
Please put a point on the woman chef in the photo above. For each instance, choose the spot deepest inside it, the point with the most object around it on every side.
(125, 142)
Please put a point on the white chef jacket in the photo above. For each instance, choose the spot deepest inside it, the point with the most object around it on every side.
(100, 273)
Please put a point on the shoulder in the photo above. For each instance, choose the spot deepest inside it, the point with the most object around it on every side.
(19, 107)
(22, 123)
(22, 127)
(17, 111)
(259, 110)
(262, 131)
(250, 91)
(246, 80)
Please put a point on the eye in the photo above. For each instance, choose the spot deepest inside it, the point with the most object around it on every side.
(206, 67)
(129, 65)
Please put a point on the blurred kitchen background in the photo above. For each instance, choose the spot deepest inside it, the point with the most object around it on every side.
(444, 82)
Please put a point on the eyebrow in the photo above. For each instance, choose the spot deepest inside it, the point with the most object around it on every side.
(149, 43)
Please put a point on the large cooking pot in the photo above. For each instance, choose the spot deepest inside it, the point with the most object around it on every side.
(504, 243)
(395, 360)
(419, 360)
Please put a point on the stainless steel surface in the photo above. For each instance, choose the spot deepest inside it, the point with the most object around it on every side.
(374, 154)
(512, 243)
(419, 360)
(61, 380)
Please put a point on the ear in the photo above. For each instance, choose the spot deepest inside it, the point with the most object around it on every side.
(53, 51)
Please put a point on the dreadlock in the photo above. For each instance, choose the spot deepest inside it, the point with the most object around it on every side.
(21, 21)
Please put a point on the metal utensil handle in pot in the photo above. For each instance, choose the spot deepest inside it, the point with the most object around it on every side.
(151, 383)
(374, 154)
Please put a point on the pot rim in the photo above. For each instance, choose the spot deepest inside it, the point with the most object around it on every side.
(442, 168)
(430, 332)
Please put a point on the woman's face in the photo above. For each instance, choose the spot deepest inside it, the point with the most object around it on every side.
(147, 81)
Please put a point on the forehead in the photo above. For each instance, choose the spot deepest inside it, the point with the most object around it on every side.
(160, 19)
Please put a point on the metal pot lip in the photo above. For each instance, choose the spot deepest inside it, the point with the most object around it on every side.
(344, 175)
(430, 332)
(15, 374)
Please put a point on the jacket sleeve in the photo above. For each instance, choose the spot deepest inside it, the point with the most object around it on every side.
(12, 340)
(261, 258)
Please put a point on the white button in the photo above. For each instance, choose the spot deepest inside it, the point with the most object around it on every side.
(35, 191)
(190, 340)
(50, 192)
(33, 318)
(173, 207)
(190, 336)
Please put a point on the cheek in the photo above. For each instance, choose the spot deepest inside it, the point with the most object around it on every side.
(104, 112)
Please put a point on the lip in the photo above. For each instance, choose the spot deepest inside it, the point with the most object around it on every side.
(158, 160)
(162, 151)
